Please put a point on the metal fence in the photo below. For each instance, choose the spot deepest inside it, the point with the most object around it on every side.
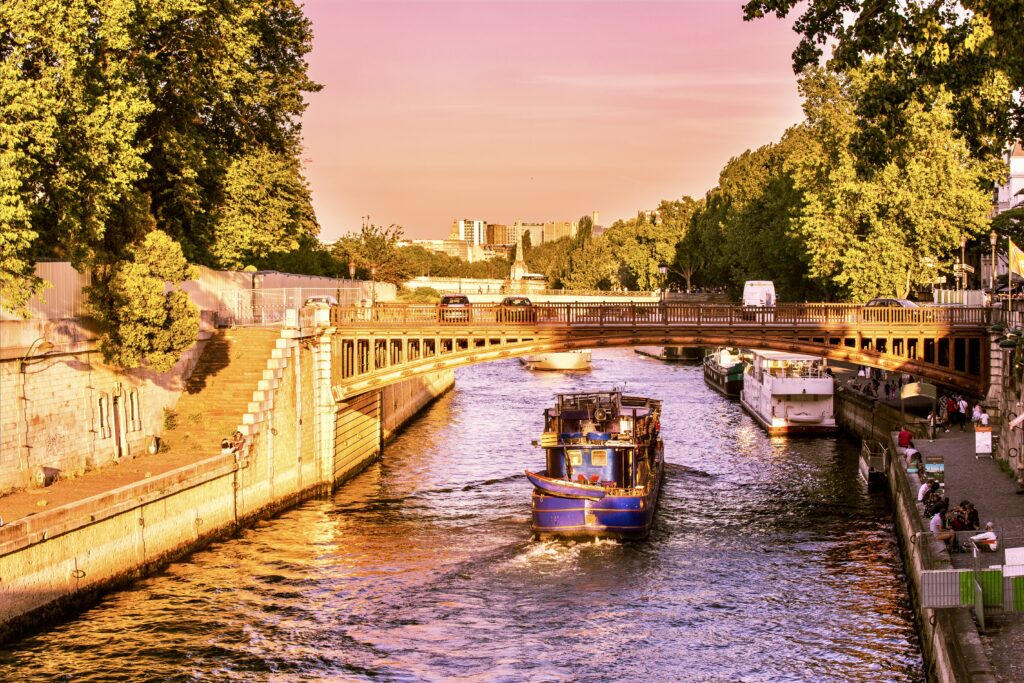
(268, 306)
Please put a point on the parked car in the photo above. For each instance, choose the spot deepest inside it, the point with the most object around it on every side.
(321, 301)
(884, 302)
(875, 309)
(454, 308)
(516, 309)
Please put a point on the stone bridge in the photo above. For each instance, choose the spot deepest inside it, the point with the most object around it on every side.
(376, 346)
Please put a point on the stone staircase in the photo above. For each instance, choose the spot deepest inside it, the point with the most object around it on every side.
(219, 391)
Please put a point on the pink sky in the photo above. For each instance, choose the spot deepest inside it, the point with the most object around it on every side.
(505, 110)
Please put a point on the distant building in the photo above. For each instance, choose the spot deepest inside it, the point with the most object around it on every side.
(468, 230)
(1011, 194)
(498, 233)
(460, 249)
(556, 230)
(521, 229)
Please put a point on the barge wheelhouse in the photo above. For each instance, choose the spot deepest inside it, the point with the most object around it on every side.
(723, 372)
(605, 461)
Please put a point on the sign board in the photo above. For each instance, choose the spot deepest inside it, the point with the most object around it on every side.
(982, 440)
(918, 389)
(940, 280)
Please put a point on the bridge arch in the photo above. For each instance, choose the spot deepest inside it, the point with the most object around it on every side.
(391, 343)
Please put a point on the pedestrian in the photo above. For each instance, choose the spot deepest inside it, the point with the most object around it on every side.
(983, 418)
(932, 422)
(961, 407)
(976, 414)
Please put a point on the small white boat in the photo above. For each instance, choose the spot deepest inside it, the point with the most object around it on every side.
(559, 360)
(788, 393)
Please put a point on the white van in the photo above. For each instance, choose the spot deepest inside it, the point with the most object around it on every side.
(759, 294)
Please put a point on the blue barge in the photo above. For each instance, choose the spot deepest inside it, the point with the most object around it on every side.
(605, 461)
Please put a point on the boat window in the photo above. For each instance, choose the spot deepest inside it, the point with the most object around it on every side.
(575, 456)
(599, 458)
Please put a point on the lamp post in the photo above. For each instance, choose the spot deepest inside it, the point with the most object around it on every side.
(992, 270)
(663, 271)
(373, 284)
(963, 260)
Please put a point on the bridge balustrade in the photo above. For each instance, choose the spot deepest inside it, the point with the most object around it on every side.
(672, 313)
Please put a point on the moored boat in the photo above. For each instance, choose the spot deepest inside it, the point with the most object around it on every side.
(723, 372)
(605, 461)
(789, 393)
(559, 360)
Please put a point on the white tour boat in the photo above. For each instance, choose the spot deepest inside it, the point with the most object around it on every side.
(789, 393)
(559, 360)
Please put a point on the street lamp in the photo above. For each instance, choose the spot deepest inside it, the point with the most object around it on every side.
(351, 270)
(663, 271)
(373, 284)
(963, 260)
(992, 270)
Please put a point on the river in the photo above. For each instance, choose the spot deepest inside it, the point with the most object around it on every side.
(768, 561)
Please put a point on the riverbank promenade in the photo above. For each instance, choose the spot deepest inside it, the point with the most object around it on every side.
(993, 492)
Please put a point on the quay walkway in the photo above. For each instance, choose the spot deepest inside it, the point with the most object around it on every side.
(993, 493)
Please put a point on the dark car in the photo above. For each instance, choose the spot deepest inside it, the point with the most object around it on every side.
(454, 308)
(516, 309)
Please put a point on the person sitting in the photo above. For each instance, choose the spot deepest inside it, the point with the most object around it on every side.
(927, 487)
(971, 515)
(237, 442)
(905, 439)
(225, 447)
(987, 539)
(936, 503)
(938, 528)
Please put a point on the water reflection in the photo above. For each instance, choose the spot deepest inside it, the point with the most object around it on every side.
(767, 562)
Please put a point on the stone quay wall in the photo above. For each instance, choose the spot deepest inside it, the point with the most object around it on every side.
(949, 638)
(299, 446)
(68, 412)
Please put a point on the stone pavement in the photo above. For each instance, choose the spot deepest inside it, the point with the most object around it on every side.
(993, 492)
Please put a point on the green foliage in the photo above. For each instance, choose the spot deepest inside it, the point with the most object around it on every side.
(120, 117)
(971, 49)
(266, 210)
(420, 295)
(310, 257)
(871, 235)
(593, 266)
(642, 244)
(551, 259)
(1010, 224)
(375, 252)
(144, 322)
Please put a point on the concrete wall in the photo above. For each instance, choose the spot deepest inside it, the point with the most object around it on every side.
(59, 559)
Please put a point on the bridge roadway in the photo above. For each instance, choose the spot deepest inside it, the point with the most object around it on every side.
(382, 344)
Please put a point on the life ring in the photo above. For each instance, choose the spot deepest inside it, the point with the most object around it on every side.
(600, 415)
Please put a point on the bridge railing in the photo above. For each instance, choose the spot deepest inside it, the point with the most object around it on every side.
(632, 314)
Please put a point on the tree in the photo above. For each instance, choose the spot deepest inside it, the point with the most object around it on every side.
(870, 235)
(593, 266)
(143, 322)
(375, 252)
(121, 117)
(267, 209)
(968, 48)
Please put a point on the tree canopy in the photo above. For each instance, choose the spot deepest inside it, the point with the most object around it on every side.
(122, 117)
(971, 49)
